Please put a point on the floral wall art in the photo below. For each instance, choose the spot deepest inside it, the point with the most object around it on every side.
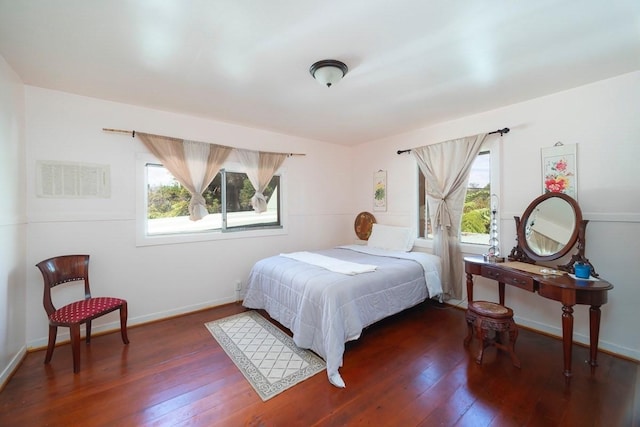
(559, 170)
(380, 191)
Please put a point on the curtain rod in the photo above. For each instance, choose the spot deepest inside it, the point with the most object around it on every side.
(500, 131)
(133, 135)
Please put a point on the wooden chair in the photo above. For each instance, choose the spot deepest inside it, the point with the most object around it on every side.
(491, 322)
(73, 268)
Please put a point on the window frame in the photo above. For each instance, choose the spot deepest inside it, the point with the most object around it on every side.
(494, 147)
(142, 239)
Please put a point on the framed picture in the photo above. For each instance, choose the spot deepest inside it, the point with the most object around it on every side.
(559, 170)
(380, 191)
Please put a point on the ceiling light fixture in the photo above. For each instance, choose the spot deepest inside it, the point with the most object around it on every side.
(328, 71)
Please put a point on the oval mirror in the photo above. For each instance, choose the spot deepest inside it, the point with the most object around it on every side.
(549, 227)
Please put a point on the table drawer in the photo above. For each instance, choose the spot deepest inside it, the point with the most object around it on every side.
(512, 278)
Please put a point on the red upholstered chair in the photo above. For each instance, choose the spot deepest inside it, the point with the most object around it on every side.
(74, 268)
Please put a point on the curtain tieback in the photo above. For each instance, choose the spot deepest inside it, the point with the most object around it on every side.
(197, 207)
(442, 216)
(259, 202)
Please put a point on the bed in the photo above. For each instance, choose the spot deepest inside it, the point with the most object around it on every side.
(324, 308)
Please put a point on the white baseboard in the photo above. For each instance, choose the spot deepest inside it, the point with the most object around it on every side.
(630, 353)
(579, 338)
(12, 366)
(132, 321)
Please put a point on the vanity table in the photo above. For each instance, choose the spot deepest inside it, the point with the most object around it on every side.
(550, 228)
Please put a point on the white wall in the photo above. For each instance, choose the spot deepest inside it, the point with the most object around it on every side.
(12, 221)
(159, 281)
(602, 118)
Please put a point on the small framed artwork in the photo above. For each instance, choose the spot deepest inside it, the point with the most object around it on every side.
(560, 169)
(380, 191)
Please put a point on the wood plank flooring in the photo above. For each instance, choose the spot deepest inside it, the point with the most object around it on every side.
(408, 370)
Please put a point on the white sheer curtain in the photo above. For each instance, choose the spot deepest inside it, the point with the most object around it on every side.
(260, 168)
(446, 167)
(194, 164)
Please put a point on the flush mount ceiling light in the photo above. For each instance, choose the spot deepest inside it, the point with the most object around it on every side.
(328, 71)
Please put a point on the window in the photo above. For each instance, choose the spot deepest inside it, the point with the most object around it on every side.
(163, 207)
(476, 217)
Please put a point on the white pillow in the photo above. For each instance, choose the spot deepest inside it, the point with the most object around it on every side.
(391, 238)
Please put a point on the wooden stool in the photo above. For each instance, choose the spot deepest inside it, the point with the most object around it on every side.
(487, 316)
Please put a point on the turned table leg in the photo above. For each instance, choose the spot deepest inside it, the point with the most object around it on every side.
(594, 333)
(567, 337)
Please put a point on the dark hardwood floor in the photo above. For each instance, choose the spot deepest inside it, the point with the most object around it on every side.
(408, 370)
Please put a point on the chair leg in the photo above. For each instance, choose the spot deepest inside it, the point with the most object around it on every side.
(514, 358)
(513, 336)
(123, 322)
(513, 332)
(88, 331)
(482, 336)
(467, 339)
(53, 332)
(75, 346)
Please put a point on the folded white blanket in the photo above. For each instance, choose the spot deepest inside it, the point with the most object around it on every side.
(332, 264)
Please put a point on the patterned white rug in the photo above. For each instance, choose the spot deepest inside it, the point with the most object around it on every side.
(265, 355)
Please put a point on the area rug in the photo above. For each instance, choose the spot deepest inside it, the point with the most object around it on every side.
(265, 355)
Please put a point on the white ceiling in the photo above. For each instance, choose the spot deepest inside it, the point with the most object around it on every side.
(411, 63)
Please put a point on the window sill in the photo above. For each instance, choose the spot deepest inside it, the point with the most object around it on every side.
(176, 239)
(466, 248)
(471, 249)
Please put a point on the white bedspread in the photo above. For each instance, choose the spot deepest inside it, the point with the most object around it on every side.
(324, 309)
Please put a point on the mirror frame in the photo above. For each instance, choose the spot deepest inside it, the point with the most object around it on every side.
(522, 251)
(574, 234)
